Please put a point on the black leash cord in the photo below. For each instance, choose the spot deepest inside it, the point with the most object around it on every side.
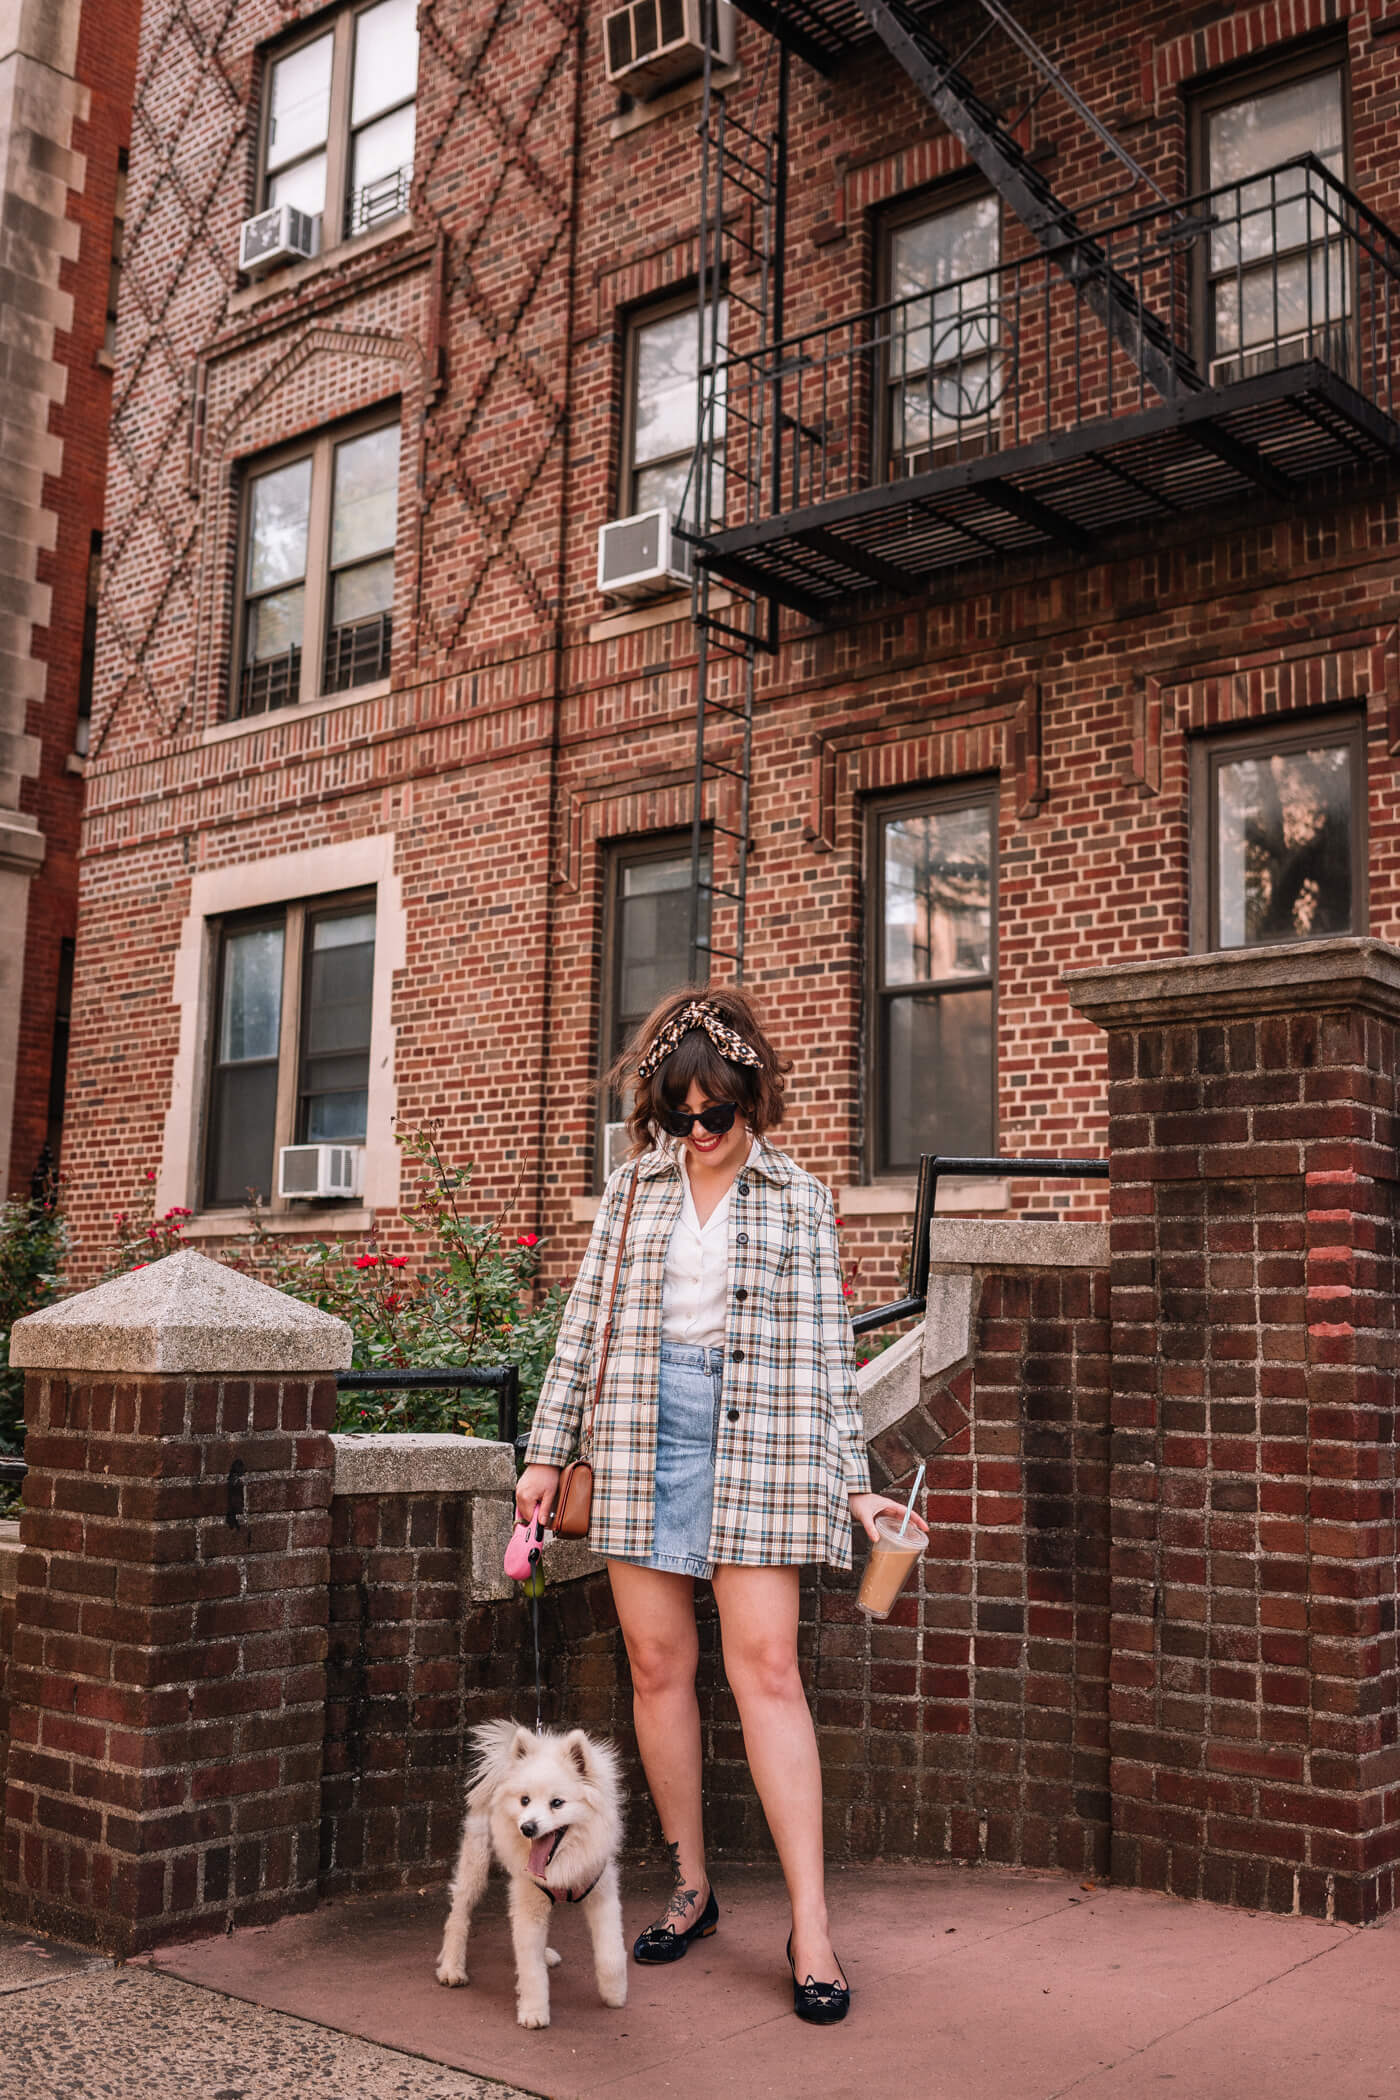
(539, 1696)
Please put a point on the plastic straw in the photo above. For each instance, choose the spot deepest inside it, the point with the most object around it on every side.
(913, 1492)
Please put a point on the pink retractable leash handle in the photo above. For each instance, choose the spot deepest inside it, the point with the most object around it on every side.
(527, 1542)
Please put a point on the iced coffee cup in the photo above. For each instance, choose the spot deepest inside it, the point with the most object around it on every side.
(891, 1558)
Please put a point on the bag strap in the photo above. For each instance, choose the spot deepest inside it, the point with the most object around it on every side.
(586, 1439)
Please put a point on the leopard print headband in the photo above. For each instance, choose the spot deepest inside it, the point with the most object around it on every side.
(699, 1014)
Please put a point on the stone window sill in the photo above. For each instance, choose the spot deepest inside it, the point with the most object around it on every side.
(278, 283)
(249, 725)
(896, 1198)
(636, 619)
(314, 1218)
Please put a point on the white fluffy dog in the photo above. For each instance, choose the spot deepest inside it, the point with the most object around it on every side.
(549, 1806)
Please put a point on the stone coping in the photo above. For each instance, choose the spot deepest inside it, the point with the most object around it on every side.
(184, 1314)
(409, 1463)
(1239, 983)
(1018, 1243)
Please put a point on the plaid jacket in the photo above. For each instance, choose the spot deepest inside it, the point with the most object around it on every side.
(785, 1466)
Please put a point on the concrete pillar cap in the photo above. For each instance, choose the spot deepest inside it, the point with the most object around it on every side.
(183, 1314)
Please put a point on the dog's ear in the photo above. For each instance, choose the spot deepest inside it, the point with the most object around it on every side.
(577, 1745)
(522, 1744)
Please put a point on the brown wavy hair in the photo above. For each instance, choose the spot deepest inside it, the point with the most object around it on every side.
(757, 1090)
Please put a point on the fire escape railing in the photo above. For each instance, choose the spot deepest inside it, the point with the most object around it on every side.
(1286, 267)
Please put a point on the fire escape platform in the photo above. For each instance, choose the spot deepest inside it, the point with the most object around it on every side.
(1272, 434)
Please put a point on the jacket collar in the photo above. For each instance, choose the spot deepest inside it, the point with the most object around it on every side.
(773, 1165)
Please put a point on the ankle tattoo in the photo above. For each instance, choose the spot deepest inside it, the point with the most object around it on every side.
(681, 1896)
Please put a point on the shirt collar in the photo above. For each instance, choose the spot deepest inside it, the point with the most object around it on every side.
(764, 1159)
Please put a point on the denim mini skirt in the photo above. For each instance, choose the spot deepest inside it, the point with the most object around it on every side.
(687, 1428)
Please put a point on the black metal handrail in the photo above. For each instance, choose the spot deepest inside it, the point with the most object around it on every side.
(1012, 355)
(931, 1166)
(503, 1379)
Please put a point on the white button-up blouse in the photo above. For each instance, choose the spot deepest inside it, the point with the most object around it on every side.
(695, 1283)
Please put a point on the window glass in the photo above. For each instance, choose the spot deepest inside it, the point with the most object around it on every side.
(665, 394)
(386, 58)
(938, 896)
(279, 508)
(934, 1015)
(383, 152)
(364, 508)
(299, 106)
(653, 936)
(302, 185)
(1276, 261)
(336, 1028)
(943, 370)
(243, 1105)
(1284, 845)
(939, 1096)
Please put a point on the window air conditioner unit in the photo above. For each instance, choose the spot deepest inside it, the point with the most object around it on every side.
(617, 1147)
(282, 234)
(653, 44)
(642, 557)
(309, 1172)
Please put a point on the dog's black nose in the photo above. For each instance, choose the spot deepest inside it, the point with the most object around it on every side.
(527, 1830)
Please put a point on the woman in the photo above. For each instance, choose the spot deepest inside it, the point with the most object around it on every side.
(727, 1442)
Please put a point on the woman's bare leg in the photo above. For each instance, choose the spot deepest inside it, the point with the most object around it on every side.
(656, 1610)
(758, 1619)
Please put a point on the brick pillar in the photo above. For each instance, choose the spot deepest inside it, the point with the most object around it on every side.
(167, 1691)
(1253, 1710)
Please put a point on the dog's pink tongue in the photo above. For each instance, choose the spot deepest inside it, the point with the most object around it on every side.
(540, 1850)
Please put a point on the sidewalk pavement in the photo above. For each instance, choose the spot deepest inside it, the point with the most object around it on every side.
(968, 1984)
(78, 2027)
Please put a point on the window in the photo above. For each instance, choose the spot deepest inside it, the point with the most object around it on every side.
(1278, 834)
(339, 123)
(662, 399)
(318, 570)
(646, 946)
(942, 372)
(1278, 286)
(932, 1069)
(114, 270)
(290, 1060)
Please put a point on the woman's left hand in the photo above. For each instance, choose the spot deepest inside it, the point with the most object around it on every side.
(866, 1508)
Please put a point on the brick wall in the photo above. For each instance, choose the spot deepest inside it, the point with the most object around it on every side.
(167, 1688)
(1253, 1714)
(9, 1569)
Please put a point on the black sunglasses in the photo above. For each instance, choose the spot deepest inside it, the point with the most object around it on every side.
(717, 1118)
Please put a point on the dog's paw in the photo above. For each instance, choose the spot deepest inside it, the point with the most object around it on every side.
(451, 1974)
(532, 2015)
(553, 1957)
(612, 1989)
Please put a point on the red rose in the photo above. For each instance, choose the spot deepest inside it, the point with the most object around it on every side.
(367, 1261)
(396, 1261)
(527, 1239)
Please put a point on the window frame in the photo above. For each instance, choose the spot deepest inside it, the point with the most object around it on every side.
(1264, 738)
(984, 792)
(1256, 76)
(636, 319)
(294, 917)
(619, 854)
(320, 448)
(340, 26)
(908, 210)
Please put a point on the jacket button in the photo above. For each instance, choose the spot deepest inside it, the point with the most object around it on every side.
(742, 1187)
(733, 1414)
(738, 1356)
(741, 1239)
(740, 1295)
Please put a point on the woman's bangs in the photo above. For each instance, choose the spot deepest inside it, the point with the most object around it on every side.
(695, 1060)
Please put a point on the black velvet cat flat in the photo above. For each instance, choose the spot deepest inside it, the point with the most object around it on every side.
(659, 1944)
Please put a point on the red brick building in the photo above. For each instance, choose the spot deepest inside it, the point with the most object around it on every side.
(66, 76)
(1072, 491)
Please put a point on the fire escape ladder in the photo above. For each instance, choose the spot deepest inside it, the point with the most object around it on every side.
(743, 182)
(1138, 332)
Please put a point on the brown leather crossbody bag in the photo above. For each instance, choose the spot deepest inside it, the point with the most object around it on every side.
(573, 1500)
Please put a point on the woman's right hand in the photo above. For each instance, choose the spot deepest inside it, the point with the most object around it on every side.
(536, 1484)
